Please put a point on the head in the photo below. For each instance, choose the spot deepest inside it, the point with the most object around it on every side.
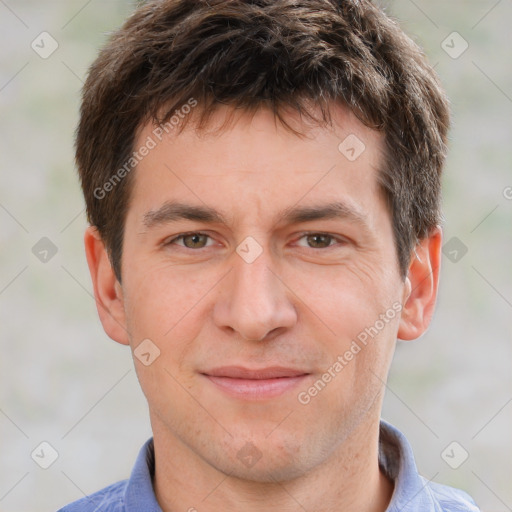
(303, 143)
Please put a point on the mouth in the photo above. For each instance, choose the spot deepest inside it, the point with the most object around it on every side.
(255, 384)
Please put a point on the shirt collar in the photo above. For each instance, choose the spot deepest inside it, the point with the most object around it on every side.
(396, 459)
(411, 491)
(139, 495)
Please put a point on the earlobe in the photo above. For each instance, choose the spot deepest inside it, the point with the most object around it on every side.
(107, 290)
(421, 287)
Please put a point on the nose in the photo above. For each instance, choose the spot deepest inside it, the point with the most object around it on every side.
(254, 301)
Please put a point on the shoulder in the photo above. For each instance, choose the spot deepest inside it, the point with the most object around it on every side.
(449, 499)
(134, 494)
(414, 493)
(109, 499)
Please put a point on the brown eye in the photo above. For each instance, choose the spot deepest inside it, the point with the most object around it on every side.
(319, 241)
(194, 240)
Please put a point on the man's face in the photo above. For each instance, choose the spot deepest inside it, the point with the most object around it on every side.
(263, 286)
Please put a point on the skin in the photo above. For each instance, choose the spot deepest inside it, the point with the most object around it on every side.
(299, 304)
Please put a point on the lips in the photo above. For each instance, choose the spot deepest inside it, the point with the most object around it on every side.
(256, 384)
(238, 372)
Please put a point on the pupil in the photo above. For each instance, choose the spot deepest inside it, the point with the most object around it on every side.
(194, 240)
(322, 240)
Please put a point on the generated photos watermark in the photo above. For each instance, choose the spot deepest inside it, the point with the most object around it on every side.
(305, 397)
(150, 143)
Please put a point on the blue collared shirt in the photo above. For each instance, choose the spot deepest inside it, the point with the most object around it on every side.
(412, 492)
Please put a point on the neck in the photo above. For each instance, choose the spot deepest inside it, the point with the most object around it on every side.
(349, 479)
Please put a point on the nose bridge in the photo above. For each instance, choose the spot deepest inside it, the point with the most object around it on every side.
(253, 280)
(256, 302)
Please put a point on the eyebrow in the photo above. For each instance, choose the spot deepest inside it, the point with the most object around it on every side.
(172, 211)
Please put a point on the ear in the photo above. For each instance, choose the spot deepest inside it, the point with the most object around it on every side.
(421, 287)
(107, 289)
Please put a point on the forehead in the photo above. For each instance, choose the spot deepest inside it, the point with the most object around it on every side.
(246, 159)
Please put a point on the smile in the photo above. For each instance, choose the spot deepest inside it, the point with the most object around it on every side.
(255, 384)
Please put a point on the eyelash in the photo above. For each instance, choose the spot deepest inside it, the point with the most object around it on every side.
(306, 234)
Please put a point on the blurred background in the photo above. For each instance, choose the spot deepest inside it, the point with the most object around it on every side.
(65, 384)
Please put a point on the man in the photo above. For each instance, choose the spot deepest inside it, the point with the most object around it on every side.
(262, 180)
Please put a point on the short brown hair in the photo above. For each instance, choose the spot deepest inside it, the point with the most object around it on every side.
(265, 53)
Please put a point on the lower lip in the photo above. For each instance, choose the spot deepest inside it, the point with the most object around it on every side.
(256, 388)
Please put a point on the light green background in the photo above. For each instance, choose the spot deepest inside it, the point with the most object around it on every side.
(63, 381)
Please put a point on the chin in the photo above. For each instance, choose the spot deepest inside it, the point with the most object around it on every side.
(264, 460)
(265, 471)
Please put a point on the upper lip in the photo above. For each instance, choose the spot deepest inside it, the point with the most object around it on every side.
(239, 372)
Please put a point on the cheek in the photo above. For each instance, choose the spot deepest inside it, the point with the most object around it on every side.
(161, 305)
(359, 320)
(344, 298)
(162, 301)
(352, 381)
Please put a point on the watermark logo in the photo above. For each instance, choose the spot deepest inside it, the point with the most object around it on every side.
(249, 249)
(455, 249)
(305, 397)
(44, 45)
(147, 352)
(44, 250)
(352, 147)
(454, 45)
(149, 144)
(44, 455)
(455, 455)
(249, 454)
